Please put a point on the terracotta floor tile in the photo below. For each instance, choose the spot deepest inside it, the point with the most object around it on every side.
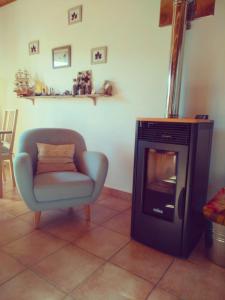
(69, 298)
(198, 256)
(28, 286)
(14, 207)
(4, 215)
(68, 267)
(189, 281)
(47, 217)
(158, 294)
(102, 242)
(120, 223)
(4, 202)
(112, 283)
(13, 229)
(9, 267)
(142, 261)
(69, 229)
(101, 214)
(33, 247)
(114, 203)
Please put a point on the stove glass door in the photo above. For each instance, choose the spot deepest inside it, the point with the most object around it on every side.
(160, 183)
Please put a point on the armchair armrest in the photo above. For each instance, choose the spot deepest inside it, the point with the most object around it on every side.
(95, 165)
(24, 178)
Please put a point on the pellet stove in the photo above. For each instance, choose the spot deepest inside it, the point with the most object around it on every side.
(171, 165)
(170, 182)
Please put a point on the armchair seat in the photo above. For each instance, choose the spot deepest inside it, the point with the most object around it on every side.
(61, 186)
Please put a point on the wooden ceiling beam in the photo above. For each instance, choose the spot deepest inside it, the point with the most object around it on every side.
(5, 2)
(201, 8)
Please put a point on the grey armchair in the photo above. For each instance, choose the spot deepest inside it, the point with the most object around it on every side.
(58, 189)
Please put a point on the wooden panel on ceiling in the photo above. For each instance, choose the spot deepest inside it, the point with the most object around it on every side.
(4, 2)
(202, 8)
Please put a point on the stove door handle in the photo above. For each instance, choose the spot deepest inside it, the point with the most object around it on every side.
(181, 204)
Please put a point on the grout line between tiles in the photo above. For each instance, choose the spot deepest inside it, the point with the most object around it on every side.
(105, 261)
(38, 261)
(48, 281)
(14, 240)
(157, 283)
(15, 275)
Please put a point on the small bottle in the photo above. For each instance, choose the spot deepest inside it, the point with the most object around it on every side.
(75, 87)
(89, 87)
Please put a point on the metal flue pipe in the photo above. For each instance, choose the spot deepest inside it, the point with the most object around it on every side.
(176, 56)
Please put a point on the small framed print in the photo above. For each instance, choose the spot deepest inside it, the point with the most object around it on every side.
(33, 47)
(75, 15)
(99, 55)
(61, 57)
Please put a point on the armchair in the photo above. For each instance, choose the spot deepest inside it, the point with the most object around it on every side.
(58, 189)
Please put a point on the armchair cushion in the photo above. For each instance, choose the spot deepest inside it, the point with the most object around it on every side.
(61, 186)
(53, 158)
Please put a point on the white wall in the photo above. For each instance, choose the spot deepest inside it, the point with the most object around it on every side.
(204, 83)
(138, 56)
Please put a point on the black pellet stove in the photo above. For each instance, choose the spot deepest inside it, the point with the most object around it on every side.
(171, 169)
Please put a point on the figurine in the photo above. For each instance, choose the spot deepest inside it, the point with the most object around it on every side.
(88, 88)
(83, 83)
(81, 90)
(75, 87)
(107, 88)
(38, 88)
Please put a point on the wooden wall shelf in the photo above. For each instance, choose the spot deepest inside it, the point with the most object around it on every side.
(91, 96)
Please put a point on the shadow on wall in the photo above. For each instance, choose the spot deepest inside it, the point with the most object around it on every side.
(197, 100)
(217, 166)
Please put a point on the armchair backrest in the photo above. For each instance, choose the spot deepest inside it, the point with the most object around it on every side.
(56, 136)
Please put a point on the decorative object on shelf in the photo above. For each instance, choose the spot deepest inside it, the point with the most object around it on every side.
(82, 88)
(75, 87)
(33, 47)
(67, 93)
(99, 55)
(61, 57)
(23, 84)
(75, 15)
(39, 88)
(107, 88)
(83, 83)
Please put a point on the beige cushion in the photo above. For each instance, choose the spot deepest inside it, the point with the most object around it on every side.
(55, 158)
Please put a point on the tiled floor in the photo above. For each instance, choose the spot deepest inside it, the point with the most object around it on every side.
(70, 258)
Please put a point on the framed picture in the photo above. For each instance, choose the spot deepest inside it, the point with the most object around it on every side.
(75, 15)
(33, 47)
(61, 57)
(99, 55)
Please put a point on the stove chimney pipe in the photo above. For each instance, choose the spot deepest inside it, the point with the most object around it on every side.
(176, 56)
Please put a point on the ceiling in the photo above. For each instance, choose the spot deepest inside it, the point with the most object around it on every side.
(4, 2)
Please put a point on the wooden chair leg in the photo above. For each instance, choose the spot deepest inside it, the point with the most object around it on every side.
(37, 218)
(12, 172)
(87, 210)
